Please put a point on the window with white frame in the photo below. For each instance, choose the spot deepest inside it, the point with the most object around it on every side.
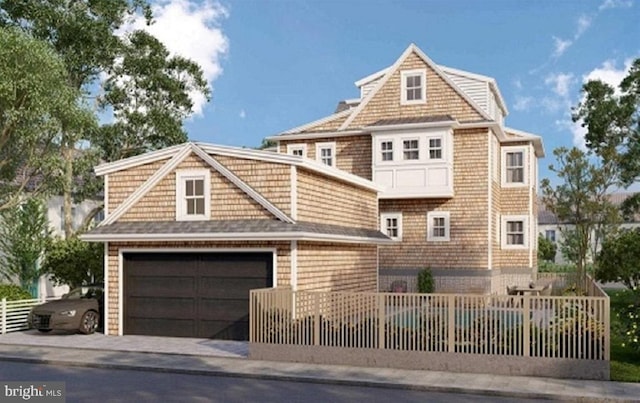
(413, 87)
(435, 148)
(326, 153)
(550, 234)
(297, 149)
(391, 224)
(514, 171)
(386, 150)
(515, 232)
(410, 150)
(438, 226)
(193, 195)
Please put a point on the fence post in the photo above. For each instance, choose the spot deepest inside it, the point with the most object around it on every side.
(526, 323)
(381, 320)
(4, 315)
(607, 328)
(316, 321)
(451, 321)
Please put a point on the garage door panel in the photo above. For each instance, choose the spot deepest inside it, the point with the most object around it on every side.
(166, 286)
(163, 327)
(206, 293)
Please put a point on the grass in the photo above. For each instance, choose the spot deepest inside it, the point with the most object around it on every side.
(625, 362)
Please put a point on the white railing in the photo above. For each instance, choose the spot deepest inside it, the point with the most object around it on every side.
(14, 314)
(525, 326)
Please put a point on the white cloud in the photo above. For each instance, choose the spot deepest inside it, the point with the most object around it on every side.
(584, 22)
(523, 103)
(242, 114)
(561, 83)
(608, 4)
(560, 46)
(608, 73)
(190, 29)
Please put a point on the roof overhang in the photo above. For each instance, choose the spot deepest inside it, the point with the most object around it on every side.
(315, 135)
(413, 126)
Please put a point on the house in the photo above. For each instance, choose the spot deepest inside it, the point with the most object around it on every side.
(460, 192)
(190, 229)
(551, 228)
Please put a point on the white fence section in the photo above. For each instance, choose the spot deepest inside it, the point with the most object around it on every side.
(14, 314)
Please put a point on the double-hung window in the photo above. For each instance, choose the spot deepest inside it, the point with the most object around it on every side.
(326, 153)
(514, 232)
(410, 149)
(438, 226)
(413, 87)
(514, 164)
(193, 195)
(391, 224)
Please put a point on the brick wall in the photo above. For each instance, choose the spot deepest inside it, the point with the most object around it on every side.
(337, 267)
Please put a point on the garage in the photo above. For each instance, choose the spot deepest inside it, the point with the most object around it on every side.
(192, 294)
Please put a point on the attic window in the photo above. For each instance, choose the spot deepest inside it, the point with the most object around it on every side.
(413, 87)
(193, 195)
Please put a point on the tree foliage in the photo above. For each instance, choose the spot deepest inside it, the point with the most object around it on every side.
(13, 292)
(619, 259)
(581, 202)
(35, 103)
(74, 262)
(612, 119)
(24, 233)
(546, 249)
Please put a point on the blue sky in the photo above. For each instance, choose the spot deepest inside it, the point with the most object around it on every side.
(274, 65)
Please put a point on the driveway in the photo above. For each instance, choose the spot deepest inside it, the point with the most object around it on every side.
(144, 344)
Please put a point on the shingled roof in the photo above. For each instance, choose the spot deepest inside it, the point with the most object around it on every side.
(415, 119)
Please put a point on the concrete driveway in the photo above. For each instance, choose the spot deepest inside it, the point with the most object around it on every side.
(141, 344)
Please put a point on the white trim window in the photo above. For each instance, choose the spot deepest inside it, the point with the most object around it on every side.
(326, 153)
(435, 148)
(193, 194)
(514, 162)
(386, 150)
(414, 88)
(410, 149)
(515, 232)
(391, 225)
(297, 149)
(438, 226)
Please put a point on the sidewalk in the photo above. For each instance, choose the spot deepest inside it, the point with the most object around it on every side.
(524, 387)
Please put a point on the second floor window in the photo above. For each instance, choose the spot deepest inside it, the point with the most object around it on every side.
(413, 89)
(410, 149)
(297, 149)
(435, 149)
(386, 148)
(391, 225)
(515, 233)
(515, 167)
(326, 153)
(193, 194)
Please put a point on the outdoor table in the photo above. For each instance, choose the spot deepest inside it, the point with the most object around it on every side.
(527, 290)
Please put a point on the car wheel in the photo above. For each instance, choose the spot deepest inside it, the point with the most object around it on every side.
(89, 322)
(44, 330)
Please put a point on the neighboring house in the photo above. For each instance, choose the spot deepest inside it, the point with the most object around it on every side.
(459, 187)
(552, 229)
(189, 230)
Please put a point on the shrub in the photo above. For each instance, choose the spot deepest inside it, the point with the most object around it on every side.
(628, 315)
(13, 292)
(425, 281)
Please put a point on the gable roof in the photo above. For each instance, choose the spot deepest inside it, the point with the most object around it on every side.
(412, 49)
(172, 164)
(519, 135)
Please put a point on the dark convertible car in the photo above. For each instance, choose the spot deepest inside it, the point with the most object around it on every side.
(79, 310)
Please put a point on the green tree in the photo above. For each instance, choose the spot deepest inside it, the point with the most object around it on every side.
(580, 201)
(612, 120)
(74, 262)
(24, 233)
(619, 259)
(35, 103)
(147, 90)
(546, 249)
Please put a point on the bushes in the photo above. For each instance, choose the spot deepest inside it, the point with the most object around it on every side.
(627, 315)
(425, 281)
(13, 292)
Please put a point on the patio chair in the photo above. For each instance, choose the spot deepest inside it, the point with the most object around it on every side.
(511, 290)
(398, 286)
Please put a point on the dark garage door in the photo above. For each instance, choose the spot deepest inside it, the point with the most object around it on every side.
(192, 294)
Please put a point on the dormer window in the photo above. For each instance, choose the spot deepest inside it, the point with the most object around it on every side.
(410, 149)
(193, 196)
(413, 87)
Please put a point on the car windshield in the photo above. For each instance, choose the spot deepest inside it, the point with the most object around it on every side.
(84, 292)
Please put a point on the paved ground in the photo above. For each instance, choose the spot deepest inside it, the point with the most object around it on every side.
(210, 357)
